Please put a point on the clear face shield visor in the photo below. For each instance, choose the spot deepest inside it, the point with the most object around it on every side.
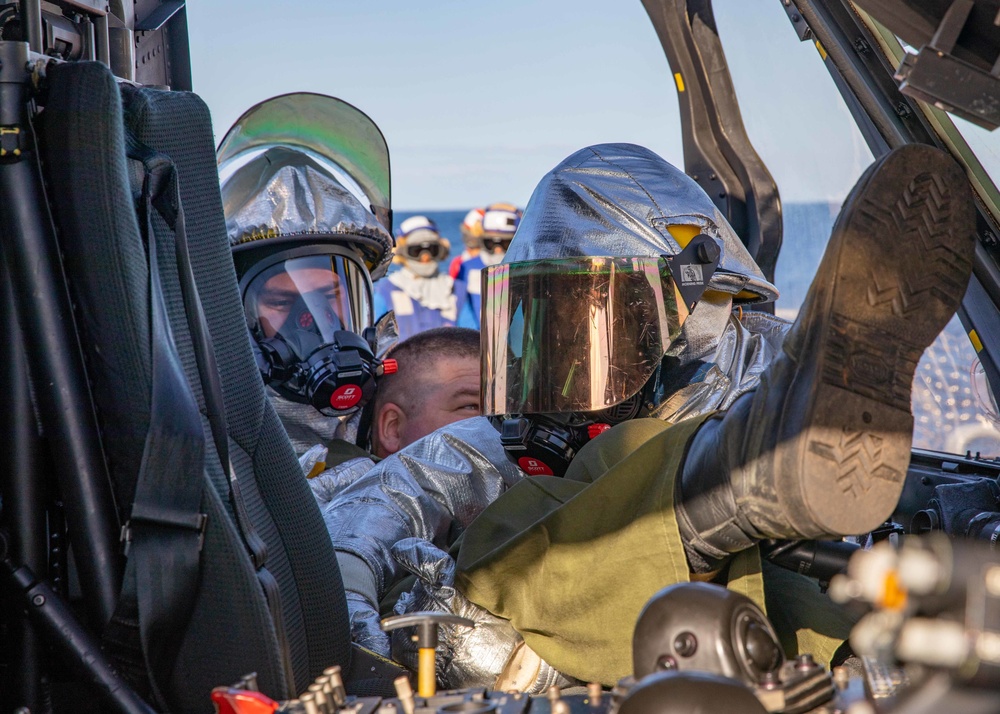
(304, 300)
(575, 335)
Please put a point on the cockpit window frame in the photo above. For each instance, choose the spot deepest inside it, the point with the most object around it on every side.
(941, 123)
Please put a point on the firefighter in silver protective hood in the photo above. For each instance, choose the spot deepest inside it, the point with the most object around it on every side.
(644, 432)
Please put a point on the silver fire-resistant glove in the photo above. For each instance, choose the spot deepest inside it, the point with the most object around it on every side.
(491, 654)
(366, 626)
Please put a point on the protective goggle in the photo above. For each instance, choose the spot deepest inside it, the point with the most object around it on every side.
(576, 334)
(491, 244)
(437, 250)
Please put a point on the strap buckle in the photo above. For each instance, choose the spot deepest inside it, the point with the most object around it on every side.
(187, 521)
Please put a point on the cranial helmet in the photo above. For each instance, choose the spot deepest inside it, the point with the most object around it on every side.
(421, 245)
(613, 252)
(472, 228)
(305, 190)
(500, 222)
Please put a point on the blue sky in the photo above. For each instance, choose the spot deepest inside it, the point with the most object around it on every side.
(478, 99)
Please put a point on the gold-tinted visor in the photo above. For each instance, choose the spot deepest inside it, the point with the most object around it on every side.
(574, 335)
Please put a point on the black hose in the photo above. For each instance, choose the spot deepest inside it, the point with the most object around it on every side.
(819, 559)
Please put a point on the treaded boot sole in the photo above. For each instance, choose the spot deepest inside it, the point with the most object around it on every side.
(893, 274)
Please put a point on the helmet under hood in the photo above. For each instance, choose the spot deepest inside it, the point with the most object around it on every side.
(586, 304)
(583, 320)
(621, 200)
(296, 155)
(306, 198)
(283, 197)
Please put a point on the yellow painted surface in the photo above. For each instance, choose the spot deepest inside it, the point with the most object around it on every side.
(976, 342)
(426, 681)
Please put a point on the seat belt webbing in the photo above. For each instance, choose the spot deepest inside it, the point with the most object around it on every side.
(165, 530)
(167, 202)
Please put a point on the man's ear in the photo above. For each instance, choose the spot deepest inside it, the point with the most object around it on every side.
(389, 423)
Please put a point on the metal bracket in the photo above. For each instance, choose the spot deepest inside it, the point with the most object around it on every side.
(799, 23)
(160, 16)
(13, 141)
(951, 26)
(693, 268)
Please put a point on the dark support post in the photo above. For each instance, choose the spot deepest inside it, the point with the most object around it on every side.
(101, 41)
(31, 16)
(718, 153)
(23, 512)
(55, 360)
(81, 649)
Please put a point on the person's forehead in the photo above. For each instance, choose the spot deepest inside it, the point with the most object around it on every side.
(299, 278)
(456, 372)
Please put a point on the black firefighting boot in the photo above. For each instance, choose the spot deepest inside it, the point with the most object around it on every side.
(821, 447)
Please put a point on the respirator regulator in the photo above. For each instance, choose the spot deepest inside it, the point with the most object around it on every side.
(545, 444)
(336, 378)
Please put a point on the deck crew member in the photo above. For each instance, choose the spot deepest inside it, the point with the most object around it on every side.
(420, 294)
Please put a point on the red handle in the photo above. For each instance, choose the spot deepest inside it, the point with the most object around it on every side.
(241, 701)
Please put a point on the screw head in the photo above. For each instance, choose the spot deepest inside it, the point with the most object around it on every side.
(770, 680)
(708, 252)
(38, 600)
(665, 662)
(805, 661)
(686, 644)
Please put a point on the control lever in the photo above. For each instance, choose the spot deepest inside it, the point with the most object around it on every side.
(427, 641)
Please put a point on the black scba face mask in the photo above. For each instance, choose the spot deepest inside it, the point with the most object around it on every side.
(310, 317)
(545, 444)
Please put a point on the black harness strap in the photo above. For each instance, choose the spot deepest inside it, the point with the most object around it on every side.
(165, 198)
(165, 531)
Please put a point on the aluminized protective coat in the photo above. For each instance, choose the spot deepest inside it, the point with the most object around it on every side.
(730, 353)
(431, 490)
(307, 426)
(619, 200)
(283, 195)
(491, 653)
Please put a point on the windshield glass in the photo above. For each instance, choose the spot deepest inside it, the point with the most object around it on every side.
(466, 129)
(802, 129)
(953, 407)
(986, 147)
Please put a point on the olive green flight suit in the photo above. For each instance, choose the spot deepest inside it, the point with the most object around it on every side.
(571, 561)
